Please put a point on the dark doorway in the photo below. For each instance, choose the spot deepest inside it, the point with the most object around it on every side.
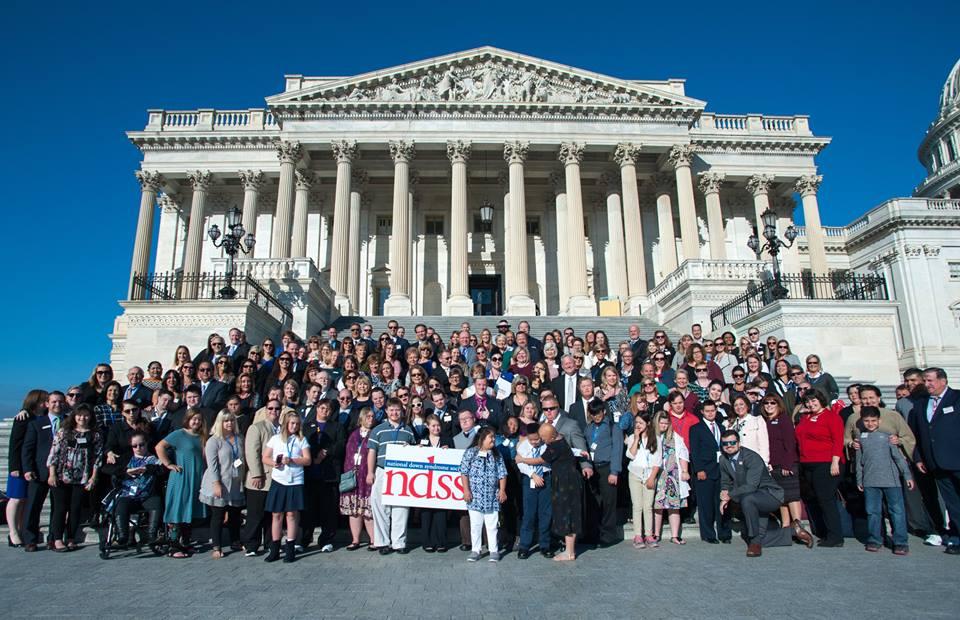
(486, 294)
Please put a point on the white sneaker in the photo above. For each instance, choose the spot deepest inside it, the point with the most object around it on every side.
(933, 540)
(474, 556)
(327, 548)
(494, 556)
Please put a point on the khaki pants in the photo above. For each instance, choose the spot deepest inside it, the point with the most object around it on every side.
(642, 499)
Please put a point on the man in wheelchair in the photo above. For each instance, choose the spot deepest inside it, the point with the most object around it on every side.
(140, 487)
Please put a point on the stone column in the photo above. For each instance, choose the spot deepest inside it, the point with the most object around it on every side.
(289, 154)
(201, 181)
(616, 259)
(579, 302)
(357, 200)
(807, 187)
(345, 152)
(503, 178)
(710, 183)
(663, 184)
(150, 184)
(680, 158)
(559, 184)
(305, 180)
(398, 303)
(253, 182)
(759, 186)
(626, 157)
(519, 303)
(459, 302)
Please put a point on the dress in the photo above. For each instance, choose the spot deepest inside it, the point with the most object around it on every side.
(356, 503)
(485, 471)
(182, 504)
(672, 492)
(566, 489)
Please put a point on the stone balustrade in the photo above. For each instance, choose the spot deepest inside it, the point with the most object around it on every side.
(253, 119)
(714, 270)
(270, 268)
(752, 124)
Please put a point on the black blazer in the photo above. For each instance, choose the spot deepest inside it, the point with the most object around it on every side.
(938, 439)
(15, 452)
(333, 439)
(445, 441)
(37, 442)
(703, 451)
(493, 406)
(143, 395)
(240, 354)
(578, 411)
(215, 396)
(559, 388)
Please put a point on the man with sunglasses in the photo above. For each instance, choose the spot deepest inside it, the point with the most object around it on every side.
(745, 479)
(73, 398)
(753, 334)
(213, 393)
(256, 529)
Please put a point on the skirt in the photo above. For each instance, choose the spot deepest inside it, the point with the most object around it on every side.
(284, 498)
(789, 484)
(16, 487)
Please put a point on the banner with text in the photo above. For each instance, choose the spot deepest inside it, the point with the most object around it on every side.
(423, 477)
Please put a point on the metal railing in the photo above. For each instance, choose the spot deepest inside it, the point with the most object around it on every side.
(836, 286)
(177, 286)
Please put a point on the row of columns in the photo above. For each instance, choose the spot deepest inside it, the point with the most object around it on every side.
(623, 219)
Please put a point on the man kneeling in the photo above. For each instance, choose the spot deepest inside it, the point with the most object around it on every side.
(745, 479)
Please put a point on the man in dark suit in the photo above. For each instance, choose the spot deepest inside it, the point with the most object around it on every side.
(400, 341)
(449, 422)
(327, 440)
(637, 344)
(36, 448)
(523, 340)
(705, 473)
(535, 345)
(935, 420)
(744, 479)
(213, 393)
(483, 404)
(442, 371)
(238, 349)
(585, 394)
(162, 421)
(136, 390)
(191, 400)
(564, 386)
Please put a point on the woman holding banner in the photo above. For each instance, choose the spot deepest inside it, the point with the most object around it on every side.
(484, 478)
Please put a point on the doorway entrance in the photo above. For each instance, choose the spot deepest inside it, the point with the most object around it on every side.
(485, 291)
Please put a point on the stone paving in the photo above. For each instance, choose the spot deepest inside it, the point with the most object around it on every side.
(694, 581)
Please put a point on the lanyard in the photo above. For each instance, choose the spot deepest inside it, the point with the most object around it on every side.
(291, 442)
(234, 447)
(596, 433)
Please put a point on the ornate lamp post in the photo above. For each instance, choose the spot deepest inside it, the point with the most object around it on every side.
(235, 240)
(486, 212)
(773, 245)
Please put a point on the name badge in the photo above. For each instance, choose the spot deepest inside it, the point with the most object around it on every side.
(424, 442)
(533, 484)
(483, 454)
(593, 447)
(237, 464)
(616, 417)
(446, 417)
(81, 441)
(507, 443)
(577, 452)
(43, 428)
(948, 409)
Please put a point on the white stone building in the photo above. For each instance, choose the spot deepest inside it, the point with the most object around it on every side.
(488, 182)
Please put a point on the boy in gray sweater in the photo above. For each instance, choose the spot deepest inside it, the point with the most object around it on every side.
(880, 465)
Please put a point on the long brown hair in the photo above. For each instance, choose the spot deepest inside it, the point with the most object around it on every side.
(33, 401)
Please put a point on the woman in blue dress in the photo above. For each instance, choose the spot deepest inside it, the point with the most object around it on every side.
(182, 453)
(484, 478)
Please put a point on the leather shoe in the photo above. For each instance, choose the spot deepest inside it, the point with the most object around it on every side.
(830, 543)
(29, 548)
(385, 550)
(725, 541)
(712, 541)
(754, 550)
(523, 554)
(547, 553)
(952, 550)
(802, 535)
(403, 551)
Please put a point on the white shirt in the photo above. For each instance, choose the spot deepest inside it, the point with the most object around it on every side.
(527, 451)
(569, 391)
(291, 474)
(641, 465)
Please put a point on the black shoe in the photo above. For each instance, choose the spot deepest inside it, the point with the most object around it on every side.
(952, 550)
(547, 553)
(289, 552)
(403, 551)
(832, 543)
(725, 541)
(441, 549)
(523, 554)
(689, 521)
(274, 553)
(464, 547)
(430, 549)
(385, 550)
(712, 541)
(10, 543)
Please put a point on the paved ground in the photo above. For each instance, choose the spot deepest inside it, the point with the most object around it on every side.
(674, 582)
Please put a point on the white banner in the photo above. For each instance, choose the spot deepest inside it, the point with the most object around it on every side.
(423, 477)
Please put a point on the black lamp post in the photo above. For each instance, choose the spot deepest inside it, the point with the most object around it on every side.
(235, 240)
(773, 245)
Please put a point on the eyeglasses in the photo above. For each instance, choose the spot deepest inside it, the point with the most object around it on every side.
(73, 395)
(273, 408)
(104, 372)
(138, 445)
(728, 443)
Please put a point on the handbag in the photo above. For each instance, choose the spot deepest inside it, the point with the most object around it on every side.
(348, 481)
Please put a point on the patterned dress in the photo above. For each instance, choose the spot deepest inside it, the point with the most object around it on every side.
(672, 492)
(356, 503)
(484, 473)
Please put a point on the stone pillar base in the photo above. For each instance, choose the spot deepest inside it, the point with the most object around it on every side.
(521, 305)
(460, 305)
(342, 304)
(581, 306)
(397, 305)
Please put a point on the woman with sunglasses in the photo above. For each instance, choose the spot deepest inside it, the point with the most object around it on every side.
(647, 400)
(519, 395)
(416, 417)
(784, 458)
(418, 382)
(279, 373)
(267, 353)
(223, 370)
(662, 372)
(94, 387)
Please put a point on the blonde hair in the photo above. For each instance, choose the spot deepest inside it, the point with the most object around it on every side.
(668, 435)
(223, 416)
(284, 418)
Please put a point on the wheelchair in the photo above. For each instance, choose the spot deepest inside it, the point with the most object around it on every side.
(138, 530)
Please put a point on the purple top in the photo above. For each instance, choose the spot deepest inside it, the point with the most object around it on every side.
(357, 445)
(783, 443)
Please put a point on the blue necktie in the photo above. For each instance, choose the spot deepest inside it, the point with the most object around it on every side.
(537, 469)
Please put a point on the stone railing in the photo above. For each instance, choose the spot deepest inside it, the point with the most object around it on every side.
(702, 269)
(253, 119)
(263, 269)
(829, 231)
(752, 124)
(933, 177)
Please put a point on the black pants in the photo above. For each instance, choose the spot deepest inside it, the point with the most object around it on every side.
(256, 531)
(713, 525)
(36, 496)
(127, 506)
(825, 493)
(321, 509)
(756, 506)
(601, 501)
(433, 527)
(68, 501)
(216, 525)
(948, 482)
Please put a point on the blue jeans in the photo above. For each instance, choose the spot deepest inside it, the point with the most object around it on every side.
(873, 497)
(536, 513)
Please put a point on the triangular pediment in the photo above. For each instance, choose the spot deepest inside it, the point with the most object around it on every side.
(486, 76)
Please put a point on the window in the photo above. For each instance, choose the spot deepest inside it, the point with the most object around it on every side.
(533, 226)
(384, 224)
(433, 225)
(951, 154)
(481, 227)
(954, 270)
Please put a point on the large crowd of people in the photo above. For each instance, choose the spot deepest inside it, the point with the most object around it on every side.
(272, 447)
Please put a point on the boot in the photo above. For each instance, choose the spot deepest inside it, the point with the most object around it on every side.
(289, 552)
(153, 527)
(274, 554)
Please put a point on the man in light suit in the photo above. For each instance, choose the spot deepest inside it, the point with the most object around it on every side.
(136, 390)
(935, 421)
(36, 448)
(213, 393)
(571, 431)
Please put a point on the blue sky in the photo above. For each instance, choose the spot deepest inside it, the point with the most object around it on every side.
(77, 75)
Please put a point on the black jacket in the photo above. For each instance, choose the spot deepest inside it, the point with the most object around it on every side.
(703, 451)
(938, 439)
(37, 442)
(333, 439)
(15, 452)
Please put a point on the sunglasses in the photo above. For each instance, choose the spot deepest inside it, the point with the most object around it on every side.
(138, 445)
(104, 372)
(130, 410)
(273, 408)
(782, 346)
(753, 333)
(418, 405)
(769, 402)
(728, 443)
(796, 374)
(73, 395)
(739, 376)
(550, 408)
(699, 370)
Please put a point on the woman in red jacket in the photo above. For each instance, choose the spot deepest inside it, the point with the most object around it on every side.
(820, 443)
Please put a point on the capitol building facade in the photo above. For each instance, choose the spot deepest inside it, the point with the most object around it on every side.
(491, 183)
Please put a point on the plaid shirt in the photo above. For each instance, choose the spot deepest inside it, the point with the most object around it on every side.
(107, 416)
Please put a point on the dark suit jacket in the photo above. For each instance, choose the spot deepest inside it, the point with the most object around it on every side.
(559, 387)
(749, 476)
(493, 406)
(215, 396)
(143, 395)
(703, 451)
(162, 428)
(441, 375)
(938, 441)
(18, 434)
(333, 439)
(36, 446)
(240, 354)
(578, 411)
(639, 350)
